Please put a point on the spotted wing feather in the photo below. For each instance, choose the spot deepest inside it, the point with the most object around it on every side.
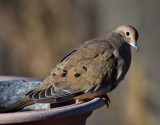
(78, 73)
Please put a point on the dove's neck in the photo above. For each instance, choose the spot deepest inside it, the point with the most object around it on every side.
(116, 40)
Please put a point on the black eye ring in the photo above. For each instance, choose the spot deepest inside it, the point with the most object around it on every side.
(127, 33)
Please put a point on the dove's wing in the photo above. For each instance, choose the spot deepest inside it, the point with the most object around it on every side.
(80, 72)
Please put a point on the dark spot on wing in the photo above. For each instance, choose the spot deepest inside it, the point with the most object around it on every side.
(77, 75)
(65, 70)
(54, 74)
(85, 68)
(58, 68)
(68, 55)
(64, 74)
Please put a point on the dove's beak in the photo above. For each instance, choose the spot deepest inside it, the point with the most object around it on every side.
(134, 45)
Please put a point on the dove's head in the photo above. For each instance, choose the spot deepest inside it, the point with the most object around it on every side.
(129, 34)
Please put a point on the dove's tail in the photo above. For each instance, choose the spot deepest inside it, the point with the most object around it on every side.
(18, 105)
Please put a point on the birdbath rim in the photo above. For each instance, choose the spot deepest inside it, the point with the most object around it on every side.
(29, 116)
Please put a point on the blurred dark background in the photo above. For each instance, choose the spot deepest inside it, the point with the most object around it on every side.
(35, 35)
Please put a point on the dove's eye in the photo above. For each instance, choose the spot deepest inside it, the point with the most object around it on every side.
(127, 33)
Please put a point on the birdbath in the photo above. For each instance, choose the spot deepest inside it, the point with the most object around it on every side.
(70, 114)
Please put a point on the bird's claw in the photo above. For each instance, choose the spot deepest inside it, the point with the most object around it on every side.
(106, 99)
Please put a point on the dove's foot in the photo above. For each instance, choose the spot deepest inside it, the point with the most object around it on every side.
(77, 101)
(106, 99)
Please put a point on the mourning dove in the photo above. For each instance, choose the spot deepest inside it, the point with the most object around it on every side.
(91, 70)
